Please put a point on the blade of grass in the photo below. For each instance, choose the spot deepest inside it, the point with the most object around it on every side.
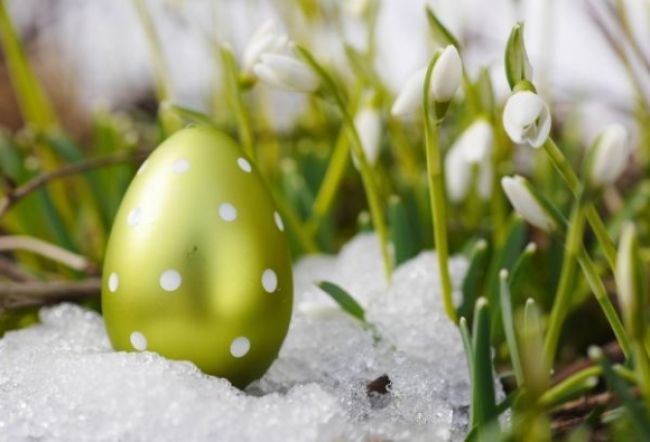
(471, 287)
(343, 299)
(483, 407)
(509, 326)
(34, 104)
(404, 244)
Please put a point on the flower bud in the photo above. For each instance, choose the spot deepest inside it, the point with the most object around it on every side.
(445, 79)
(526, 119)
(267, 39)
(286, 72)
(446, 75)
(527, 203)
(367, 122)
(608, 156)
(629, 279)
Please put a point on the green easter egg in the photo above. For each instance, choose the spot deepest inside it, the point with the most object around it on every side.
(197, 265)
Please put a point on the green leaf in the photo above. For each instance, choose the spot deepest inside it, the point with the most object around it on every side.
(34, 104)
(521, 271)
(516, 59)
(474, 277)
(509, 326)
(619, 386)
(343, 299)
(483, 405)
(401, 231)
(467, 344)
(440, 31)
(504, 258)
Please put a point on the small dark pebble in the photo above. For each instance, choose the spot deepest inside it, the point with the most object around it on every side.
(378, 392)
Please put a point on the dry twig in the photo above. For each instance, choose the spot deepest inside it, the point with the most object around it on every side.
(27, 294)
(16, 194)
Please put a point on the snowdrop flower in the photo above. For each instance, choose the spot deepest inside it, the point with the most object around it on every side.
(608, 156)
(445, 79)
(367, 122)
(472, 149)
(267, 39)
(285, 72)
(476, 141)
(447, 74)
(526, 118)
(527, 204)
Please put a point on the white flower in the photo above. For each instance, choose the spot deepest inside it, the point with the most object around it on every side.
(526, 118)
(447, 74)
(471, 150)
(526, 203)
(367, 122)
(286, 72)
(630, 281)
(476, 141)
(445, 79)
(457, 175)
(267, 39)
(409, 99)
(609, 156)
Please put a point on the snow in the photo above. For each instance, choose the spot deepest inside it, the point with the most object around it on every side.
(61, 381)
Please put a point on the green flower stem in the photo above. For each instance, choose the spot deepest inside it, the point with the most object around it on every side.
(600, 292)
(330, 185)
(564, 290)
(234, 96)
(642, 369)
(367, 178)
(562, 165)
(572, 384)
(437, 197)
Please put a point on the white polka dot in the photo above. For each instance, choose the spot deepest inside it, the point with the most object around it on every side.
(138, 341)
(142, 166)
(244, 165)
(113, 282)
(278, 221)
(134, 217)
(181, 166)
(240, 346)
(269, 280)
(227, 212)
(170, 280)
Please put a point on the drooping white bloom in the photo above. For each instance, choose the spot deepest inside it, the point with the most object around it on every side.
(472, 150)
(286, 72)
(476, 141)
(458, 175)
(409, 99)
(526, 118)
(267, 39)
(445, 79)
(367, 122)
(609, 156)
(526, 203)
(446, 75)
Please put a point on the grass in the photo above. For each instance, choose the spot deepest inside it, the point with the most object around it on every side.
(526, 293)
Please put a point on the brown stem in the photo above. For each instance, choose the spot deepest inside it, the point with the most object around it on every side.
(11, 270)
(34, 293)
(16, 194)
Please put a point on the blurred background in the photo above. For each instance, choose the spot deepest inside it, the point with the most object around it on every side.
(93, 54)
